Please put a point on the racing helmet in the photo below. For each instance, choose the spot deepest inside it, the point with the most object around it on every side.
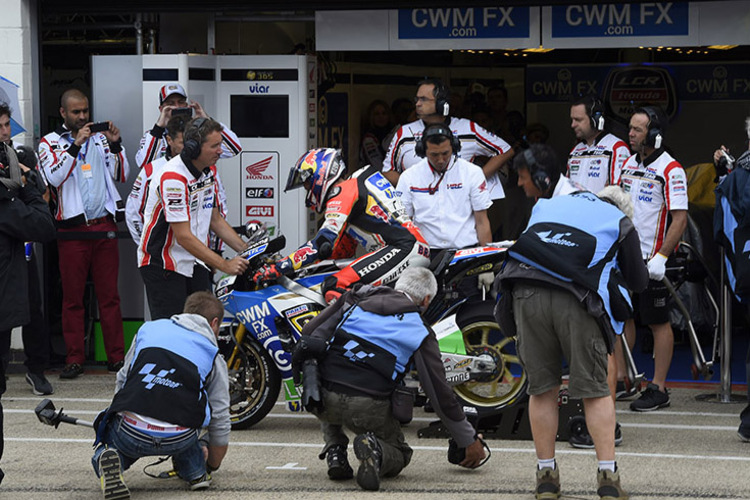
(323, 168)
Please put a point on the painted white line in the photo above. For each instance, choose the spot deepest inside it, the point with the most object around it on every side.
(442, 449)
(288, 466)
(682, 427)
(678, 413)
(38, 399)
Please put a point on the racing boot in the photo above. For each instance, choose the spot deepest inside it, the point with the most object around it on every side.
(370, 456)
(338, 464)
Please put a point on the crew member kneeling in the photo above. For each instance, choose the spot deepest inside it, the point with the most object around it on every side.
(364, 344)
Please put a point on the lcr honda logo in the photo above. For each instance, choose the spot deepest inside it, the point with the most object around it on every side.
(259, 211)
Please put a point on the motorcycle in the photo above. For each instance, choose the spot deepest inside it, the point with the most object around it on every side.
(263, 325)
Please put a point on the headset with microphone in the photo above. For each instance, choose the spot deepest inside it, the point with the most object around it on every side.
(436, 130)
(654, 133)
(539, 176)
(596, 113)
(191, 145)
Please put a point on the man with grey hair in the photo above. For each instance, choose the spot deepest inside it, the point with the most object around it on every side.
(364, 344)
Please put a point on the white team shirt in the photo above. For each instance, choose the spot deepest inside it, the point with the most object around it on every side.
(175, 195)
(656, 186)
(136, 202)
(599, 165)
(446, 217)
(475, 141)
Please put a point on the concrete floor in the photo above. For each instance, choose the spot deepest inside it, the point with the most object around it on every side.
(688, 451)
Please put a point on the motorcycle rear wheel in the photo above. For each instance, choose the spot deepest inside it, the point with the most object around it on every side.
(507, 384)
(254, 384)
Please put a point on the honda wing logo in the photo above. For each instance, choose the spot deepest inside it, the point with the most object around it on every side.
(556, 239)
(159, 378)
(257, 169)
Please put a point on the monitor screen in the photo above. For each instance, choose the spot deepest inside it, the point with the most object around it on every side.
(260, 116)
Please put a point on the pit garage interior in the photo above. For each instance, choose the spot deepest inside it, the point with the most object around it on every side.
(700, 76)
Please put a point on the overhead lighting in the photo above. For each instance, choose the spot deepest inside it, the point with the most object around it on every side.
(721, 47)
(538, 50)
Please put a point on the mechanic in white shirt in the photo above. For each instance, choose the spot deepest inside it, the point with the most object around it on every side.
(446, 197)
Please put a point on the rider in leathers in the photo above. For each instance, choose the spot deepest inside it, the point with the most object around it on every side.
(364, 210)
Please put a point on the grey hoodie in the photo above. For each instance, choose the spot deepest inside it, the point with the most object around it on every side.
(217, 383)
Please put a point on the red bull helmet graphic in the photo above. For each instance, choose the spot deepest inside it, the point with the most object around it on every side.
(322, 168)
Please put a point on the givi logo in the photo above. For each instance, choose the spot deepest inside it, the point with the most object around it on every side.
(257, 169)
(259, 211)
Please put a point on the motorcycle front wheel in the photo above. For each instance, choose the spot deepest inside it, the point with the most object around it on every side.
(254, 384)
(506, 385)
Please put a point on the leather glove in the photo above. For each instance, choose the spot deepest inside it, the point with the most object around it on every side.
(485, 281)
(657, 267)
(265, 274)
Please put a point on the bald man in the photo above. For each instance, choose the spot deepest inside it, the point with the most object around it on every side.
(83, 166)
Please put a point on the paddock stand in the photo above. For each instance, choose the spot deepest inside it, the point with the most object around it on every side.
(512, 422)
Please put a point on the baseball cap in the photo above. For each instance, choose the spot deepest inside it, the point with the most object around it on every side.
(169, 89)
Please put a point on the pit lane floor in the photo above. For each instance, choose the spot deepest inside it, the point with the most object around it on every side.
(688, 451)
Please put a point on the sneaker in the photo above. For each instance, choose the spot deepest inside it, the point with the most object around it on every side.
(651, 399)
(547, 483)
(115, 367)
(71, 370)
(369, 454)
(110, 476)
(39, 384)
(744, 433)
(201, 483)
(338, 464)
(583, 439)
(609, 486)
(622, 392)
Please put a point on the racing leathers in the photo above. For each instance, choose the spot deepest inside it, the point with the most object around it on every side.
(363, 210)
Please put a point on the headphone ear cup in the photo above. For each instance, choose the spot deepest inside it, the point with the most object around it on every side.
(657, 141)
(541, 180)
(192, 149)
(419, 147)
(455, 144)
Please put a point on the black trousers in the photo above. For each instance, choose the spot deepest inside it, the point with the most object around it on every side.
(35, 334)
(166, 291)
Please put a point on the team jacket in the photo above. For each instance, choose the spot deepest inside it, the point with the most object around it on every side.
(60, 159)
(375, 332)
(576, 241)
(154, 145)
(173, 373)
(656, 185)
(363, 210)
(176, 195)
(475, 141)
(598, 165)
(136, 202)
(732, 228)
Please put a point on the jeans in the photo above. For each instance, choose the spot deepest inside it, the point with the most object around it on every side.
(187, 455)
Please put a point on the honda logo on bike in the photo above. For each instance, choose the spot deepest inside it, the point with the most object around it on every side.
(259, 211)
(257, 169)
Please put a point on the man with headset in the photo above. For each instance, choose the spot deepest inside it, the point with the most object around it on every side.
(597, 160)
(447, 197)
(657, 185)
(572, 247)
(180, 209)
(432, 107)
